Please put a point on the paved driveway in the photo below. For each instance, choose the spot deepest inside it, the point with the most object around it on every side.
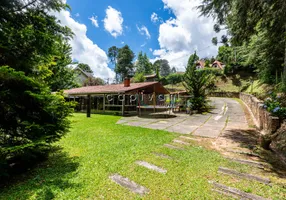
(228, 114)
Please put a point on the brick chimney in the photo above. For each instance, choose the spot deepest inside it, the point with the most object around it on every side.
(127, 82)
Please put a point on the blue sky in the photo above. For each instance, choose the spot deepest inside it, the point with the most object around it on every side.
(134, 13)
(164, 29)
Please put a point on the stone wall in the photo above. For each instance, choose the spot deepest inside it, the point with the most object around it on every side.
(262, 118)
(224, 94)
(279, 142)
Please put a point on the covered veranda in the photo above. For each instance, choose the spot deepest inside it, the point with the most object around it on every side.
(122, 98)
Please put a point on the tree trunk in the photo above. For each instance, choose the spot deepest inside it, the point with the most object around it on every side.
(285, 56)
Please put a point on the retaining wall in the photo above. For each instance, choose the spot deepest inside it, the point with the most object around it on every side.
(224, 94)
(263, 119)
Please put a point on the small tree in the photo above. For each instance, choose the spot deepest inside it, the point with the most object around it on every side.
(138, 78)
(197, 84)
(31, 119)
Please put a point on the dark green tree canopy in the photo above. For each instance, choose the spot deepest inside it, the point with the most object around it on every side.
(34, 60)
(143, 65)
(112, 55)
(162, 67)
(125, 65)
(85, 68)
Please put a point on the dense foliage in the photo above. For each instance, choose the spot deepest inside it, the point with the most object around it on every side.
(124, 66)
(112, 55)
(34, 61)
(276, 105)
(138, 78)
(256, 29)
(164, 67)
(143, 65)
(175, 78)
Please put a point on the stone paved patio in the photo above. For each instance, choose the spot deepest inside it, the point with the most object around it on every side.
(227, 115)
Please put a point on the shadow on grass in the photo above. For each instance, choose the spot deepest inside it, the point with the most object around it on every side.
(250, 139)
(43, 180)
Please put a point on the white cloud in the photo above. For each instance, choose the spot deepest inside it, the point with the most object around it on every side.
(93, 20)
(143, 45)
(122, 42)
(150, 49)
(144, 31)
(159, 52)
(77, 14)
(83, 49)
(154, 17)
(187, 32)
(113, 22)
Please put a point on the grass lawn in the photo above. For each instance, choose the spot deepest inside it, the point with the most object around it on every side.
(96, 147)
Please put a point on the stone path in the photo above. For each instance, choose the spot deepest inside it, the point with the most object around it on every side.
(163, 155)
(227, 115)
(235, 192)
(243, 175)
(226, 119)
(172, 147)
(125, 182)
(151, 166)
(248, 162)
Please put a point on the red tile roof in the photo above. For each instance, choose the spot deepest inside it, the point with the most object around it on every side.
(218, 63)
(200, 63)
(118, 88)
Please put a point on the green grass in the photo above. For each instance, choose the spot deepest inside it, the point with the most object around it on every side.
(96, 147)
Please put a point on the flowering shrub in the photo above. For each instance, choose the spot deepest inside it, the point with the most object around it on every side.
(274, 105)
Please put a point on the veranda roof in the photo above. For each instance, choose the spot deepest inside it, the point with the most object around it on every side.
(147, 87)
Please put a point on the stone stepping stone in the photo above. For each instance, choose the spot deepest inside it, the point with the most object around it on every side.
(233, 191)
(243, 175)
(181, 142)
(225, 193)
(172, 147)
(151, 167)
(248, 162)
(163, 155)
(131, 185)
(188, 138)
(243, 152)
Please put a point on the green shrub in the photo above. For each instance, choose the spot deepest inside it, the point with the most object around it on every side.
(138, 78)
(214, 71)
(175, 78)
(274, 104)
(31, 118)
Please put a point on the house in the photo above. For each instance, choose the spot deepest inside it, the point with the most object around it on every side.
(217, 64)
(200, 64)
(82, 76)
(123, 98)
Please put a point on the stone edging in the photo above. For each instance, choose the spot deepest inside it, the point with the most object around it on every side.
(264, 121)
